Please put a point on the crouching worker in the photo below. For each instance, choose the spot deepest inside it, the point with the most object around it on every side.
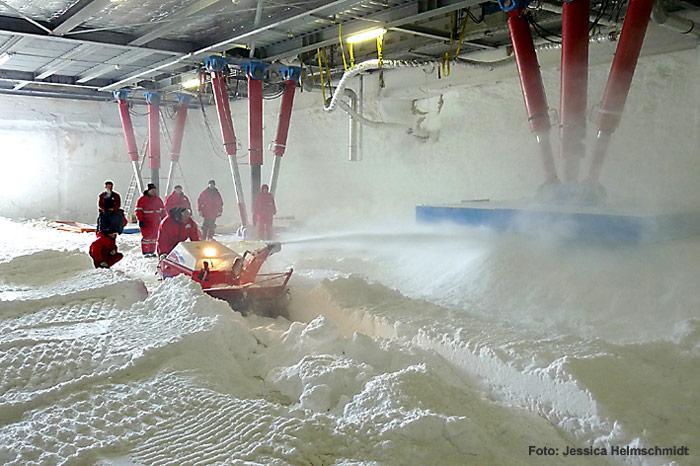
(103, 250)
(178, 226)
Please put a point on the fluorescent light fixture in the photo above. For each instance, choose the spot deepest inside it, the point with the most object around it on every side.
(191, 83)
(366, 35)
(5, 57)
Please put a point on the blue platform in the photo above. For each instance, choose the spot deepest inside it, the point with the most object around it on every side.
(596, 224)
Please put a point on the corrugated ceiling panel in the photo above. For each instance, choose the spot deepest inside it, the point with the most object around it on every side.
(38, 9)
(127, 12)
(21, 62)
(46, 48)
(102, 54)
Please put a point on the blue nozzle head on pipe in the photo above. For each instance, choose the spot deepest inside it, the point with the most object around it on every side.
(153, 98)
(255, 69)
(215, 63)
(182, 98)
(510, 5)
(121, 94)
(291, 73)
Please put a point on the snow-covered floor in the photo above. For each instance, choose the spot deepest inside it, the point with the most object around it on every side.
(418, 347)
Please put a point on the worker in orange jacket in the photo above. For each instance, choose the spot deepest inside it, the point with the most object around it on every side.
(149, 212)
(210, 206)
(178, 226)
(177, 199)
(263, 211)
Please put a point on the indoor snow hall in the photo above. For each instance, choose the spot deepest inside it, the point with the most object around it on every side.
(350, 232)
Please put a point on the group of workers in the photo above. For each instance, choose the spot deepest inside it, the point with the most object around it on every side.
(164, 225)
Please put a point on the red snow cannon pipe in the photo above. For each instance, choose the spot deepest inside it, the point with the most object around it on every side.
(255, 120)
(228, 135)
(574, 85)
(620, 79)
(216, 66)
(255, 134)
(532, 87)
(279, 146)
(128, 128)
(176, 146)
(179, 130)
(255, 71)
(153, 100)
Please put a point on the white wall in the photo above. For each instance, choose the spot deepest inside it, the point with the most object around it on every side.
(56, 153)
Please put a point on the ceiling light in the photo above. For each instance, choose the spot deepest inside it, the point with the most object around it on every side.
(191, 83)
(366, 35)
(5, 57)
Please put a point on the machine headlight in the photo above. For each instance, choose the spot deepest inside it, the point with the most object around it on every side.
(210, 251)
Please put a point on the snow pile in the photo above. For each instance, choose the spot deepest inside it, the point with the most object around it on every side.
(94, 369)
(93, 376)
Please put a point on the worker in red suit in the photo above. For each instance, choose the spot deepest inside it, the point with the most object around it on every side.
(149, 212)
(103, 250)
(210, 206)
(178, 226)
(109, 200)
(263, 211)
(177, 199)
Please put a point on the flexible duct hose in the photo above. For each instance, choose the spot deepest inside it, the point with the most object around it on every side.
(367, 66)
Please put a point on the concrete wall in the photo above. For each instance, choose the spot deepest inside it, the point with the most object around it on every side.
(469, 139)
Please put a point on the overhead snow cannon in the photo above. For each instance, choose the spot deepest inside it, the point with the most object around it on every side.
(574, 85)
(291, 75)
(619, 80)
(255, 72)
(231, 273)
(531, 83)
(176, 146)
(216, 66)
(129, 137)
(153, 100)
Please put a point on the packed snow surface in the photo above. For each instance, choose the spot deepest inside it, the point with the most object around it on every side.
(416, 348)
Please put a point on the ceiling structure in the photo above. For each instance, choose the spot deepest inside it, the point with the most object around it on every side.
(85, 49)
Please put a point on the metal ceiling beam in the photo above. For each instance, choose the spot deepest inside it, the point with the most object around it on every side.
(144, 74)
(258, 17)
(436, 35)
(78, 14)
(55, 80)
(58, 94)
(11, 43)
(391, 17)
(16, 26)
(248, 35)
(177, 20)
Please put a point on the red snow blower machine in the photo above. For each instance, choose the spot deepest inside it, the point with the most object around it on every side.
(231, 274)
